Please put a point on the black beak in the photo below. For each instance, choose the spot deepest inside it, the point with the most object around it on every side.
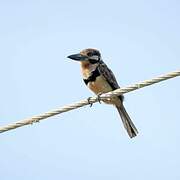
(77, 57)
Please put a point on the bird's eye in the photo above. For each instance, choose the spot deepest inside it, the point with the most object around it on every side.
(90, 54)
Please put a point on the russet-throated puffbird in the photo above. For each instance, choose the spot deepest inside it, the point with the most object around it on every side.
(100, 79)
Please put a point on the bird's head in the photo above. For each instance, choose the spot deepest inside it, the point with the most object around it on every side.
(90, 55)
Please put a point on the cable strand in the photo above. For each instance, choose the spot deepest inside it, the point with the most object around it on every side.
(91, 100)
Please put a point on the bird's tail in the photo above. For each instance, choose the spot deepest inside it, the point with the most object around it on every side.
(127, 122)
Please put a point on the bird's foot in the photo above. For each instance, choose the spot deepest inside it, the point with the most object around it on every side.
(98, 97)
(90, 103)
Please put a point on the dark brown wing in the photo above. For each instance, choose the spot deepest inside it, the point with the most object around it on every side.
(109, 76)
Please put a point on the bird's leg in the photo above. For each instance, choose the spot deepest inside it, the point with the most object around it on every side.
(90, 103)
(98, 97)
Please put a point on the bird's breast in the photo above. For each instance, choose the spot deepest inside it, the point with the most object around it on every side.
(100, 85)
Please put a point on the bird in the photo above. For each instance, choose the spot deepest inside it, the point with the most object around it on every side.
(100, 79)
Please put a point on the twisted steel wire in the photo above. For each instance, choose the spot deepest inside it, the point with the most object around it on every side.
(85, 102)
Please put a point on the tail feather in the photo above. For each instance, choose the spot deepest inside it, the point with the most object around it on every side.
(127, 122)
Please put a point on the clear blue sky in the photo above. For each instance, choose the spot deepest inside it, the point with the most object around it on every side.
(138, 40)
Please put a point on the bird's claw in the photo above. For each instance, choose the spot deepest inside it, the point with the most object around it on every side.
(90, 103)
(98, 97)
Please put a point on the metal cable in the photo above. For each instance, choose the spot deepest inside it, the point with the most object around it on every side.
(85, 102)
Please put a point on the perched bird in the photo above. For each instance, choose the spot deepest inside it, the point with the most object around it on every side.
(100, 79)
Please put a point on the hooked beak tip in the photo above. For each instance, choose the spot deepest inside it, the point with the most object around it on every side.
(77, 57)
(69, 57)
